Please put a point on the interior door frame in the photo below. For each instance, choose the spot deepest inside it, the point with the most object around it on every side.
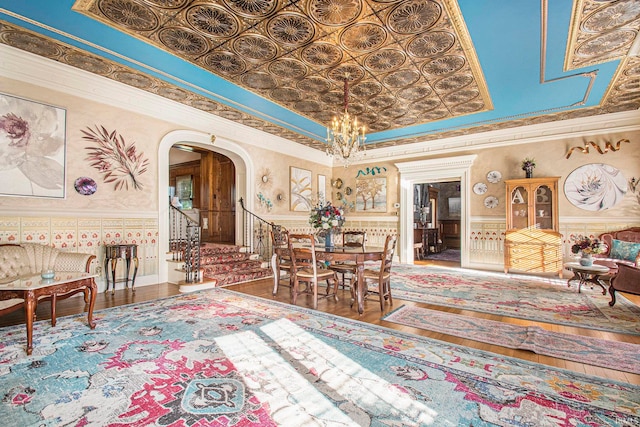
(433, 170)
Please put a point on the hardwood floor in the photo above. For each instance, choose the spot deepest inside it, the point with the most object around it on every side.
(262, 288)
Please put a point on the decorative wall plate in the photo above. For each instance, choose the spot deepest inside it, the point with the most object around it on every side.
(494, 177)
(348, 191)
(480, 188)
(85, 186)
(595, 187)
(491, 202)
(338, 183)
(339, 195)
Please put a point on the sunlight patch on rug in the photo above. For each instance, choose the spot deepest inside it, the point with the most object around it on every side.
(214, 357)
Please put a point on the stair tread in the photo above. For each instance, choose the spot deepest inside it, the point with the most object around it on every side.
(228, 264)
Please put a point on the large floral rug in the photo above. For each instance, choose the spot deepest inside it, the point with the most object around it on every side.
(616, 355)
(547, 300)
(218, 358)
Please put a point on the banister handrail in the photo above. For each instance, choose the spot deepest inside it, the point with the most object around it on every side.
(253, 214)
(256, 237)
(184, 242)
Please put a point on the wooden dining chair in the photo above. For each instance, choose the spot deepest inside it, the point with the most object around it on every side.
(281, 258)
(305, 269)
(378, 282)
(347, 269)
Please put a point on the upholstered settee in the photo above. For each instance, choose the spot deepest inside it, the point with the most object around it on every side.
(623, 247)
(25, 259)
(623, 258)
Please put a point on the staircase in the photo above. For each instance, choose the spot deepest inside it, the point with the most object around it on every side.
(230, 264)
(195, 265)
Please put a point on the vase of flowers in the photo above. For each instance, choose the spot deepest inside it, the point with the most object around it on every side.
(326, 219)
(527, 166)
(586, 247)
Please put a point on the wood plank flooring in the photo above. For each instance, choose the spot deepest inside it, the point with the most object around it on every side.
(262, 288)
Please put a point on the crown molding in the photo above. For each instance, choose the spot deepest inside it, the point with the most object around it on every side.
(33, 69)
(627, 121)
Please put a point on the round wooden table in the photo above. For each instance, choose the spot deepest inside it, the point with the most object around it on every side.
(587, 274)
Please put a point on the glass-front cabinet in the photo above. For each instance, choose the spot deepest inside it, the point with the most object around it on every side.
(532, 202)
(532, 241)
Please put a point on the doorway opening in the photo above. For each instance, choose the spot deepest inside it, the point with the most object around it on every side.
(436, 226)
(243, 176)
(449, 169)
(202, 186)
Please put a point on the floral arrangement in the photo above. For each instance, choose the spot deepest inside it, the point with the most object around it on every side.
(325, 216)
(587, 245)
(528, 164)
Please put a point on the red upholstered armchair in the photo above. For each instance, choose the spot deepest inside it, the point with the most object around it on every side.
(626, 280)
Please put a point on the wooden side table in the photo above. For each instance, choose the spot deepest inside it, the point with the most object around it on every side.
(32, 288)
(587, 274)
(113, 253)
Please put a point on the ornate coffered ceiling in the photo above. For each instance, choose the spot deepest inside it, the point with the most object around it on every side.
(407, 62)
(414, 66)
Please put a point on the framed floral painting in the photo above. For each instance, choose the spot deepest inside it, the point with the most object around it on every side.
(300, 189)
(32, 148)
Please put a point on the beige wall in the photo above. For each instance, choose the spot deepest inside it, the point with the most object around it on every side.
(550, 159)
(144, 131)
(124, 215)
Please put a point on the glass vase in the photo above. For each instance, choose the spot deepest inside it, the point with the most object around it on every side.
(328, 239)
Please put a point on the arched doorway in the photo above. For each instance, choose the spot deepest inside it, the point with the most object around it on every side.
(243, 177)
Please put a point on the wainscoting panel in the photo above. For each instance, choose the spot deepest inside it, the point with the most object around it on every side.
(88, 235)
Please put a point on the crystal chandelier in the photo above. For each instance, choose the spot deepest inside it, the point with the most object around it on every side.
(345, 137)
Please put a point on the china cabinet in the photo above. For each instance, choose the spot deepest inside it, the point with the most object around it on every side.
(532, 240)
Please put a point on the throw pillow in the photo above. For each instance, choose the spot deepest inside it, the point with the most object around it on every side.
(624, 250)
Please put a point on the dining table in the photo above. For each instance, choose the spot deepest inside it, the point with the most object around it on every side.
(358, 255)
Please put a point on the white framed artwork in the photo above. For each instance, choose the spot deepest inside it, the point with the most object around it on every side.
(300, 190)
(595, 187)
(33, 137)
(322, 187)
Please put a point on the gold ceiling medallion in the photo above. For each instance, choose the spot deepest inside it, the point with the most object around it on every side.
(345, 137)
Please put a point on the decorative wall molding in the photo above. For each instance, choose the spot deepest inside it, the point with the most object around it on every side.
(29, 68)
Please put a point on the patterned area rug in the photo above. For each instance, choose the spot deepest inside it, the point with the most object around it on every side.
(546, 300)
(219, 358)
(593, 351)
(452, 255)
